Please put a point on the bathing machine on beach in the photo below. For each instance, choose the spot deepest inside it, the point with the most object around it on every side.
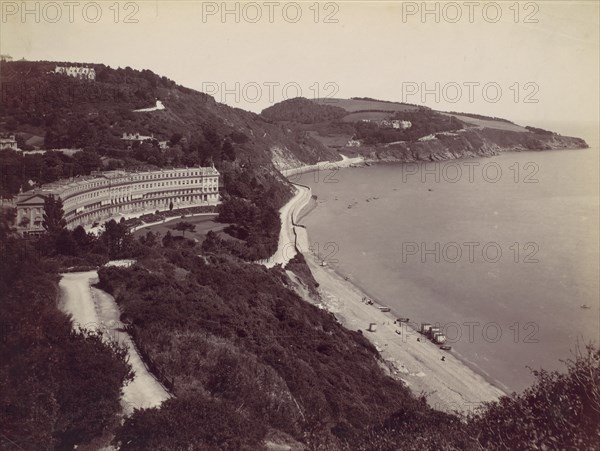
(439, 338)
(434, 333)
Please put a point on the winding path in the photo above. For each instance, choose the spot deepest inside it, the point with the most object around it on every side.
(94, 309)
(159, 106)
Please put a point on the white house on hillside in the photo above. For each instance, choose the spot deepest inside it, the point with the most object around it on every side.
(81, 72)
(8, 143)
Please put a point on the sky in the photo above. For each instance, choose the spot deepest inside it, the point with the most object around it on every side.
(533, 62)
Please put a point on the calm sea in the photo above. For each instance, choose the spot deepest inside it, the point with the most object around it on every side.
(501, 251)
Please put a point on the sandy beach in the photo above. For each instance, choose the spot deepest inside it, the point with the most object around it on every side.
(448, 383)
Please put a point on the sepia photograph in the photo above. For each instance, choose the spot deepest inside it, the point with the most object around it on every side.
(299, 225)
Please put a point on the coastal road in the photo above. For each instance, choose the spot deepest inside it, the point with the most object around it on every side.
(94, 309)
(286, 249)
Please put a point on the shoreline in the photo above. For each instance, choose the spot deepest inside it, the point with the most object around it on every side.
(286, 247)
(410, 357)
(393, 314)
(452, 384)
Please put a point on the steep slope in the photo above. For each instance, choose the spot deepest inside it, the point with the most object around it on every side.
(68, 112)
(391, 131)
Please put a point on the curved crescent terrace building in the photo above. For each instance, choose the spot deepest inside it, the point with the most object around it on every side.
(103, 195)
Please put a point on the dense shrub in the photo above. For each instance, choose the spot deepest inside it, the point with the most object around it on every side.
(230, 330)
(560, 411)
(191, 423)
(50, 375)
(303, 110)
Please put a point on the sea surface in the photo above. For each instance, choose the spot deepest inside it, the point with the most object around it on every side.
(502, 252)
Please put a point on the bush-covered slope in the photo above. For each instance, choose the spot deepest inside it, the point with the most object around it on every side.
(302, 110)
(68, 112)
(234, 336)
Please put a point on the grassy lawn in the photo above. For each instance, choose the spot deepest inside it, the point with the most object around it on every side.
(203, 224)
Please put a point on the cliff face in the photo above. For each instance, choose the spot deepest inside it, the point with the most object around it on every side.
(474, 142)
(370, 128)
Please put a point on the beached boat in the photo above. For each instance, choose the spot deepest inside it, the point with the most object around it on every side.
(445, 348)
(403, 320)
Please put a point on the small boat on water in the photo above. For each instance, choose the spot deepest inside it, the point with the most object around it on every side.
(585, 306)
(403, 320)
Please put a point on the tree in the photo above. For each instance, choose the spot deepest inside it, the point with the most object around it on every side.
(90, 161)
(150, 239)
(212, 243)
(117, 239)
(54, 220)
(228, 151)
(7, 219)
(81, 237)
(167, 239)
(560, 411)
(175, 138)
(65, 244)
(185, 227)
(24, 222)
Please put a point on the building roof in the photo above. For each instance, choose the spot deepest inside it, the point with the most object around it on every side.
(58, 187)
(30, 199)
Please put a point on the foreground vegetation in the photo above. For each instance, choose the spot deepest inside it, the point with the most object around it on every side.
(246, 358)
(50, 375)
(228, 334)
